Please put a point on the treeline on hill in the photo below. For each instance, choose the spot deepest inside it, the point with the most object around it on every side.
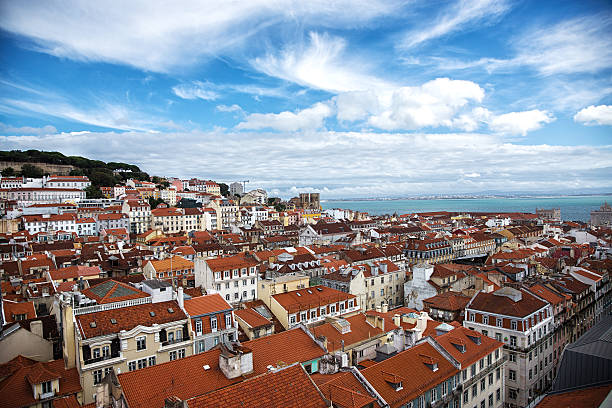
(98, 172)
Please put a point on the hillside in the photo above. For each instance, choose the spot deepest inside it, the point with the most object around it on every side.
(100, 173)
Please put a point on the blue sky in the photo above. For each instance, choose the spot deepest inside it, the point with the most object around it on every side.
(349, 98)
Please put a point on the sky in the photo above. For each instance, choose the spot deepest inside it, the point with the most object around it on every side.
(374, 98)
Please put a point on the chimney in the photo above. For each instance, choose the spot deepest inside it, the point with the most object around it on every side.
(36, 327)
(385, 307)
(180, 299)
(235, 360)
(397, 319)
(173, 402)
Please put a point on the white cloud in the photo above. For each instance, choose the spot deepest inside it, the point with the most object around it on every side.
(520, 123)
(595, 115)
(159, 36)
(466, 14)
(322, 63)
(195, 90)
(305, 119)
(229, 108)
(345, 164)
(435, 103)
(4, 128)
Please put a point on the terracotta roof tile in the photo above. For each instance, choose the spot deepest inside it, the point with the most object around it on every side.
(287, 387)
(310, 297)
(472, 351)
(360, 330)
(12, 309)
(492, 303)
(584, 398)
(202, 305)
(112, 291)
(128, 317)
(252, 318)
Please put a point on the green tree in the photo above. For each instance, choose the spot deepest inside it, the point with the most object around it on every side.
(8, 172)
(154, 202)
(93, 192)
(224, 189)
(28, 170)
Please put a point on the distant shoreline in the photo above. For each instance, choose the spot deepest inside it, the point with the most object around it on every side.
(465, 197)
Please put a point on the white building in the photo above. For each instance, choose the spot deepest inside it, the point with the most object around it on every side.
(419, 288)
(236, 188)
(234, 278)
(34, 195)
(78, 182)
(524, 323)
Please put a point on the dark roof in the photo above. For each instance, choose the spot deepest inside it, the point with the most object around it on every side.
(588, 361)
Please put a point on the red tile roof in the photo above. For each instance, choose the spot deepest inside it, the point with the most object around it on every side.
(410, 368)
(74, 272)
(12, 309)
(584, 398)
(112, 291)
(16, 390)
(128, 317)
(205, 305)
(230, 262)
(287, 387)
(492, 303)
(345, 390)
(452, 301)
(150, 386)
(360, 330)
(252, 318)
(310, 298)
(460, 336)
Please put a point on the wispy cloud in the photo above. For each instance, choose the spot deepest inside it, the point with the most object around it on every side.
(465, 14)
(195, 90)
(320, 63)
(25, 130)
(158, 36)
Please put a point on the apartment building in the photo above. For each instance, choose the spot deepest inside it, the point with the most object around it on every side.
(524, 323)
(128, 339)
(174, 267)
(79, 182)
(174, 220)
(212, 321)
(437, 250)
(139, 213)
(311, 305)
(113, 221)
(27, 196)
(234, 278)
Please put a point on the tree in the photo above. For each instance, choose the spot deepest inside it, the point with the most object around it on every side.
(93, 192)
(224, 189)
(154, 202)
(8, 172)
(76, 172)
(30, 171)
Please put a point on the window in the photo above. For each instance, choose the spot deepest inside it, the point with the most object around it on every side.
(47, 388)
(96, 352)
(512, 375)
(499, 322)
(497, 373)
(512, 357)
(530, 356)
(485, 319)
(444, 388)
(313, 314)
(498, 336)
(489, 359)
(181, 353)
(198, 325)
(226, 274)
(333, 308)
(142, 363)
(497, 354)
(490, 400)
(483, 385)
(472, 317)
(481, 363)
(512, 393)
(235, 284)
(236, 295)
(473, 370)
(132, 366)
(513, 341)
(474, 391)
(466, 397)
(105, 351)
(227, 297)
(490, 378)
(173, 355)
(530, 373)
(485, 332)
(213, 323)
(497, 394)
(152, 361)
(513, 325)
(244, 294)
(228, 320)
(292, 319)
(141, 343)
(97, 377)
(434, 396)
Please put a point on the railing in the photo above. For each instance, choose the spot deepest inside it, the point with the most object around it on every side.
(175, 341)
(101, 358)
(110, 306)
(455, 393)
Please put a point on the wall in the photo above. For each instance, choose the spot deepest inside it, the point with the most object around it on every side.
(27, 344)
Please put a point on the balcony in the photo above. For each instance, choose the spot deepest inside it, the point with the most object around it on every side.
(175, 343)
(483, 373)
(105, 360)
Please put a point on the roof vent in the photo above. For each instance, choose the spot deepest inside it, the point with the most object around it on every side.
(298, 293)
(206, 367)
(152, 314)
(92, 325)
(113, 321)
(170, 310)
(320, 290)
(309, 291)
